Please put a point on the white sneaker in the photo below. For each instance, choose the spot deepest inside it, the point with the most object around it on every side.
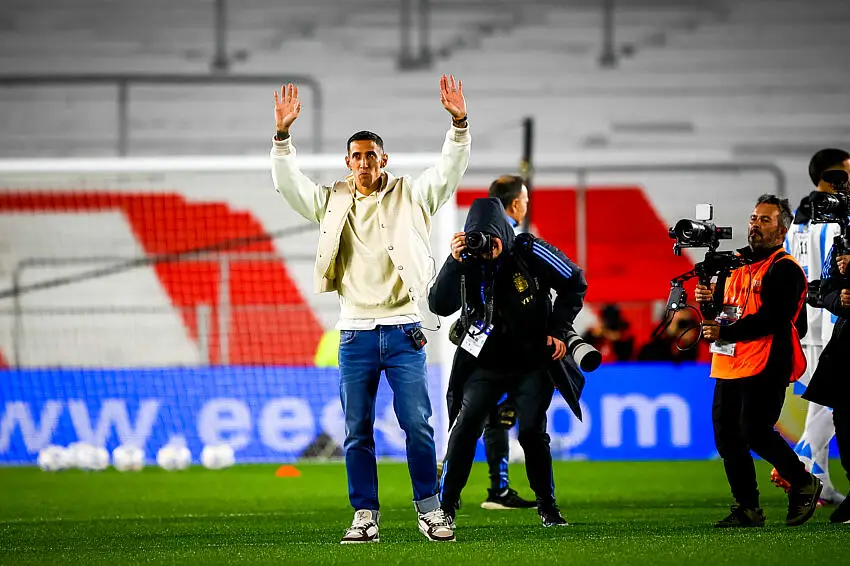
(436, 526)
(364, 527)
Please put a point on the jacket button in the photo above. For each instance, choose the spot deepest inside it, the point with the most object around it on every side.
(382, 225)
(400, 267)
(390, 248)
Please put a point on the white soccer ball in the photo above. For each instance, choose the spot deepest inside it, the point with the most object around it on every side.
(173, 457)
(95, 459)
(128, 458)
(53, 458)
(74, 453)
(88, 457)
(218, 456)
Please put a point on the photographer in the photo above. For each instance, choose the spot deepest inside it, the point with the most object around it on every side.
(830, 385)
(809, 240)
(754, 357)
(511, 340)
(513, 194)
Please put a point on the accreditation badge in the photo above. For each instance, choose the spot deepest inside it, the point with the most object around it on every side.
(729, 315)
(475, 337)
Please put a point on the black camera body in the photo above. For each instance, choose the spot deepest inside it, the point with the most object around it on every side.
(833, 208)
(698, 234)
(829, 207)
(701, 233)
(478, 245)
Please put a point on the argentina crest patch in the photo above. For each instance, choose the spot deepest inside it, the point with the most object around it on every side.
(520, 283)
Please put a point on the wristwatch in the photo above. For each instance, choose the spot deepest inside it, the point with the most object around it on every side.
(460, 123)
(280, 136)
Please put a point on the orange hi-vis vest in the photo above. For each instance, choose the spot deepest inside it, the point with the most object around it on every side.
(743, 290)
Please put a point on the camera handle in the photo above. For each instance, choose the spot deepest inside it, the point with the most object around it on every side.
(678, 298)
(719, 264)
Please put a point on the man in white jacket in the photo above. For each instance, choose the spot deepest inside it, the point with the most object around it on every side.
(374, 251)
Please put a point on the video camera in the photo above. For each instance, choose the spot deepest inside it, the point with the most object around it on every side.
(834, 207)
(701, 233)
(831, 208)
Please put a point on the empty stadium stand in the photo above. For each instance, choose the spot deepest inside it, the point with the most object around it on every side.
(757, 77)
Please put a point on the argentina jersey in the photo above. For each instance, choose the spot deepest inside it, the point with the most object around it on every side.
(809, 244)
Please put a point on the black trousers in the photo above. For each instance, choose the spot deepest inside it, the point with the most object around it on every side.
(841, 419)
(532, 393)
(497, 447)
(745, 412)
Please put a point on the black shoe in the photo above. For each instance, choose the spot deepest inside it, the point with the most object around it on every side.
(741, 517)
(802, 502)
(551, 515)
(507, 499)
(842, 514)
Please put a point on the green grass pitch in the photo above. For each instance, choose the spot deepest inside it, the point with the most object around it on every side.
(620, 513)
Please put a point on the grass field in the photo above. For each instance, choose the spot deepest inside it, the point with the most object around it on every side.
(621, 513)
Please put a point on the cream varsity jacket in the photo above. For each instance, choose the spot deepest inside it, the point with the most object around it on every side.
(405, 209)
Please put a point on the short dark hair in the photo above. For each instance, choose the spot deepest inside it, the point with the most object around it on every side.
(364, 135)
(507, 189)
(785, 214)
(823, 160)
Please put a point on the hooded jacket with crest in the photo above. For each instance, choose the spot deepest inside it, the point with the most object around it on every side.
(519, 282)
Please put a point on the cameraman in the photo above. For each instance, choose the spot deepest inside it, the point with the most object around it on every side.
(511, 340)
(753, 360)
(809, 243)
(830, 385)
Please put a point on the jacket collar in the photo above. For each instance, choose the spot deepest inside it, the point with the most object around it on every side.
(758, 255)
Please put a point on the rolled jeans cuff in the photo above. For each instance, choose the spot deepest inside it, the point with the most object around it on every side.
(427, 505)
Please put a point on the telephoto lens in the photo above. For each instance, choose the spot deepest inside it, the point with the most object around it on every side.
(586, 356)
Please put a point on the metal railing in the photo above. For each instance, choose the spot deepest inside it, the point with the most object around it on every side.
(224, 311)
(582, 172)
(125, 81)
(203, 313)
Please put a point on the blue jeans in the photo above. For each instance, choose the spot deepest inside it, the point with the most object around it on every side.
(363, 354)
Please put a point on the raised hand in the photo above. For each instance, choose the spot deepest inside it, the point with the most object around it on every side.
(451, 95)
(286, 107)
